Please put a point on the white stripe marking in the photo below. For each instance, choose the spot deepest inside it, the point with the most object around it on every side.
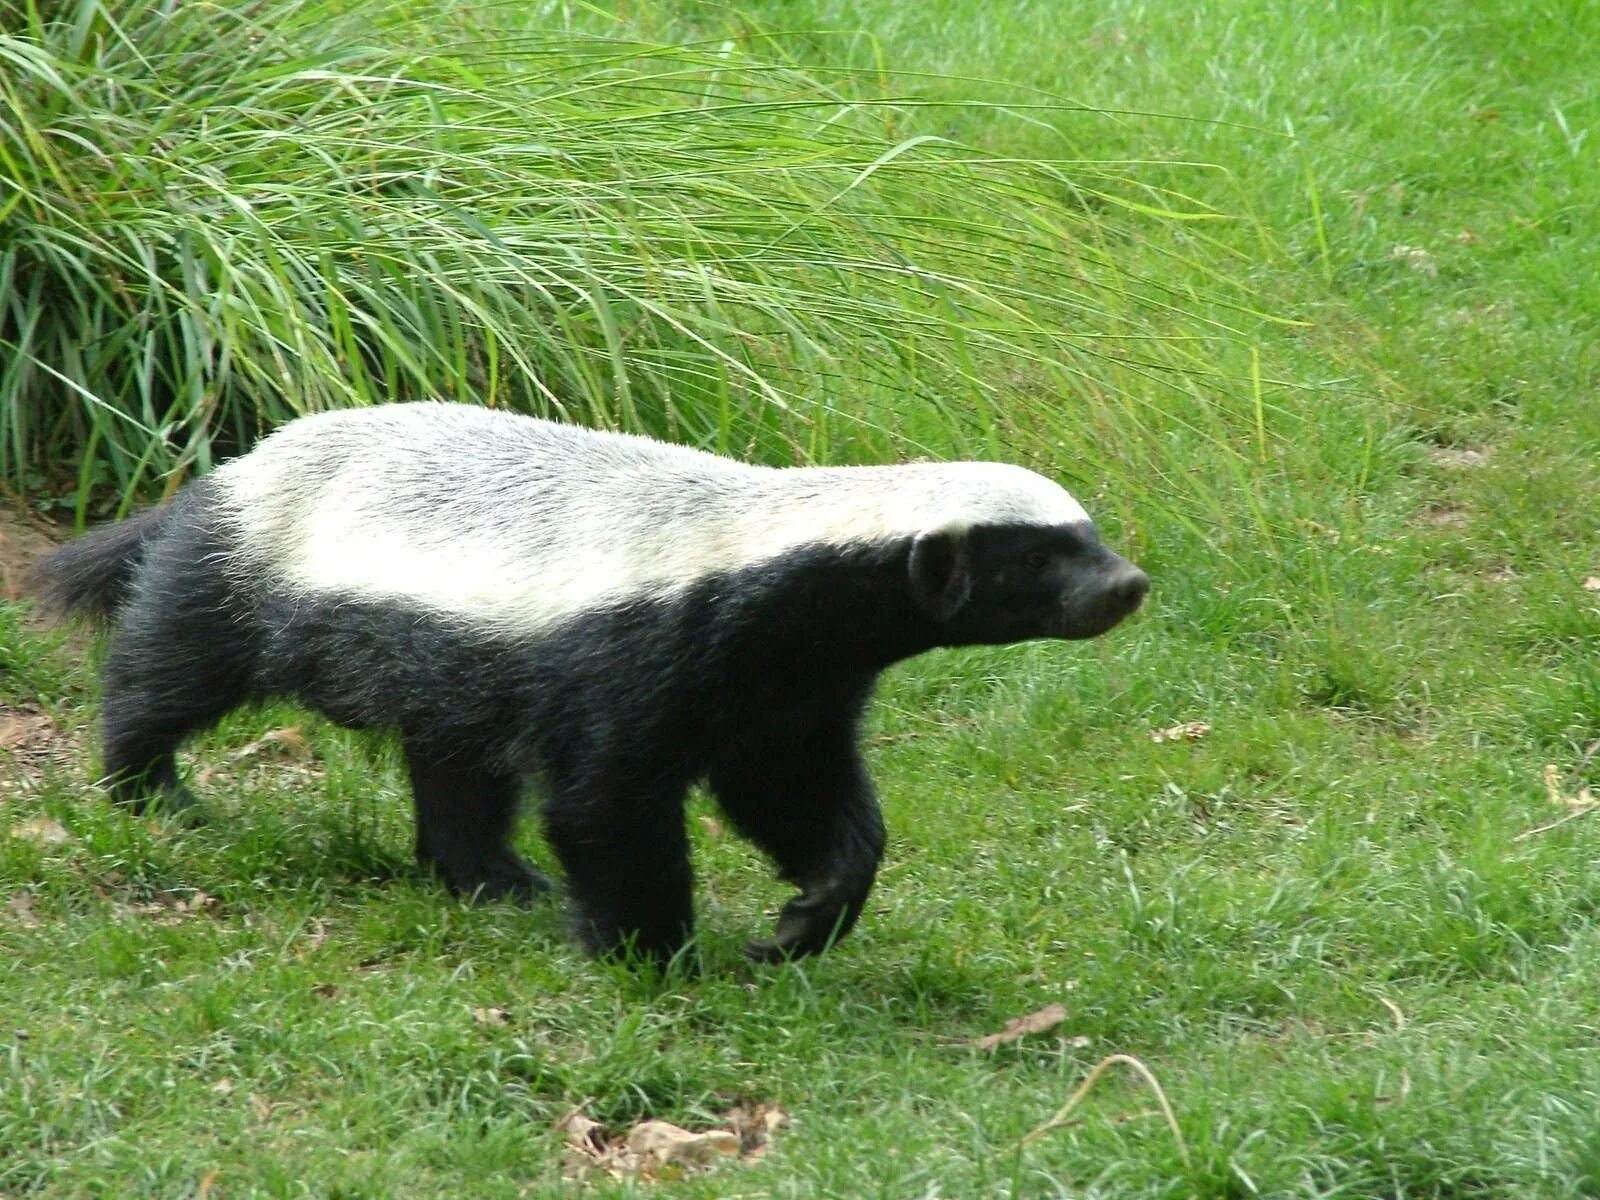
(514, 523)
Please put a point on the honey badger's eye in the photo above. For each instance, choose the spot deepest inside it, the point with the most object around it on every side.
(1038, 561)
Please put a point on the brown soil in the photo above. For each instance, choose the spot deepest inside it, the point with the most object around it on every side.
(30, 741)
(23, 540)
(30, 744)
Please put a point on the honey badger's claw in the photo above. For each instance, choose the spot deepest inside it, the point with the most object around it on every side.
(808, 924)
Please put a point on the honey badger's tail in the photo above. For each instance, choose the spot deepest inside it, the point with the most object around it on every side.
(91, 575)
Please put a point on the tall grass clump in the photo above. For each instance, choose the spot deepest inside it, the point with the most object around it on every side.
(215, 217)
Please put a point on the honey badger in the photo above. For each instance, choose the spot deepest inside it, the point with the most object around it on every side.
(610, 615)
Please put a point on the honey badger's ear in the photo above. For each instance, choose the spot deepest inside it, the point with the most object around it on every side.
(941, 572)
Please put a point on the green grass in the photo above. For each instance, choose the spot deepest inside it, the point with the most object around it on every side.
(1314, 925)
(217, 217)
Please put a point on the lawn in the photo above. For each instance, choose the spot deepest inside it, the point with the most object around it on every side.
(1345, 916)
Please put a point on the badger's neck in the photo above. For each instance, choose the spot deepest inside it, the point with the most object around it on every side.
(818, 610)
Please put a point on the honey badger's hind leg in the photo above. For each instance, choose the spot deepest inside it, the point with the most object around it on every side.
(464, 820)
(627, 862)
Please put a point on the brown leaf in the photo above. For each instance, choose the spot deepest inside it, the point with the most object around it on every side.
(223, 1087)
(1324, 531)
(1445, 515)
(43, 830)
(1045, 1019)
(491, 1016)
(325, 991)
(1456, 458)
(170, 908)
(19, 909)
(1552, 784)
(289, 742)
(1592, 584)
(711, 825)
(1580, 805)
(582, 1132)
(669, 1143)
(755, 1126)
(660, 1149)
(207, 1182)
(1189, 731)
(1557, 794)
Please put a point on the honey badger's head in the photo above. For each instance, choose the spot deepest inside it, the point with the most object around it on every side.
(1013, 582)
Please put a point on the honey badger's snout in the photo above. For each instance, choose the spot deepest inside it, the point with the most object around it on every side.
(1124, 589)
(1111, 590)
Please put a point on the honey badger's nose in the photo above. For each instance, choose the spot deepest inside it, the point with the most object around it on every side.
(1126, 588)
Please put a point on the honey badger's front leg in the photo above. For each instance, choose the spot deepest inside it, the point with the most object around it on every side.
(809, 804)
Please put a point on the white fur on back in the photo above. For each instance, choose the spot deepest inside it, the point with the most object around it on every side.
(514, 523)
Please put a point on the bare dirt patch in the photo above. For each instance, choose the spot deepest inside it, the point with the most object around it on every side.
(24, 539)
(30, 741)
(30, 744)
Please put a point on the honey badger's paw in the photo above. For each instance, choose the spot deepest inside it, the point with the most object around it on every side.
(507, 878)
(811, 922)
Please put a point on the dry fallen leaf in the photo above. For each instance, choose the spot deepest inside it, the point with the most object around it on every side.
(585, 1136)
(1189, 731)
(756, 1126)
(1416, 258)
(43, 830)
(1445, 515)
(1323, 531)
(19, 910)
(207, 1182)
(325, 991)
(711, 825)
(491, 1016)
(1556, 794)
(1046, 1018)
(1457, 458)
(1592, 584)
(660, 1149)
(169, 908)
(289, 742)
(669, 1143)
(223, 1087)
(1579, 805)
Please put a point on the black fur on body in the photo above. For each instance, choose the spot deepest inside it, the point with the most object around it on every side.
(752, 679)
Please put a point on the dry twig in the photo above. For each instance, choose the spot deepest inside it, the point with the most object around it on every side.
(1084, 1088)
